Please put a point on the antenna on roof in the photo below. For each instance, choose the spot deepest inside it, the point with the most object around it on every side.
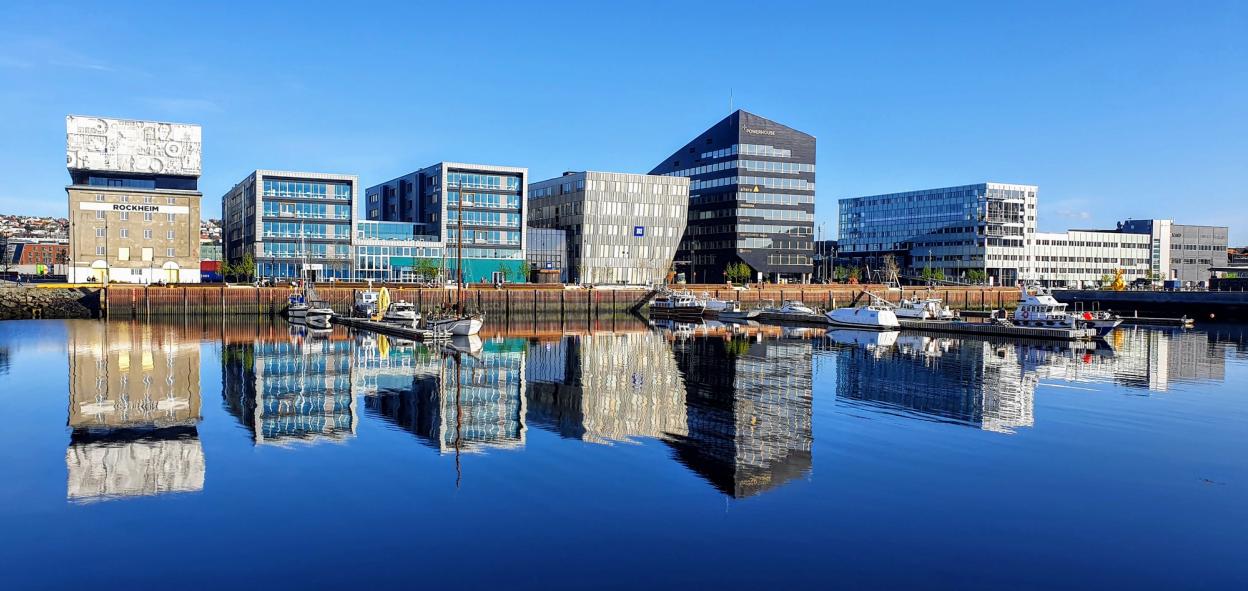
(730, 105)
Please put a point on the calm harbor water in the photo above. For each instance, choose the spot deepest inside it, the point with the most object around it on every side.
(263, 456)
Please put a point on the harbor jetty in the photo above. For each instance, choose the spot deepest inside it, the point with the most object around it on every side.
(1200, 305)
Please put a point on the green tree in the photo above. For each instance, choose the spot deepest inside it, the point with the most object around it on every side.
(426, 269)
(1106, 281)
(246, 268)
(738, 272)
(853, 274)
(976, 276)
(227, 270)
(840, 273)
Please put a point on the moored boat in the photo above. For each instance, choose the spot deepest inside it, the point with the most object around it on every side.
(401, 313)
(876, 314)
(677, 305)
(790, 311)
(924, 309)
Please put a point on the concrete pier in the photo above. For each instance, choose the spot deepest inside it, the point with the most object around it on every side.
(1200, 305)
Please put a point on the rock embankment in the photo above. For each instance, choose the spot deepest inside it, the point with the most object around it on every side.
(18, 302)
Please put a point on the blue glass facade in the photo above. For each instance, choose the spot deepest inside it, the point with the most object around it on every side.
(491, 199)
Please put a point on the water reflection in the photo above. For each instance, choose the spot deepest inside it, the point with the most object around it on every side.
(293, 389)
(134, 407)
(748, 411)
(464, 396)
(991, 383)
(606, 388)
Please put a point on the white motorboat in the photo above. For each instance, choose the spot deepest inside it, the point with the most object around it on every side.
(401, 313)
(924, 309)
(876, 314)
(318, 314)
(714, 306)
(457, 326)
(681, 306)
(1038, 309)
(791, 311)
(366, 304)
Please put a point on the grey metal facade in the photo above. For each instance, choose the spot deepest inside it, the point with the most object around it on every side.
(1182, 251)
(752, 199)
(621, 228)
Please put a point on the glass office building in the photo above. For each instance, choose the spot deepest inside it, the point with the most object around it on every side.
(293, 224)
(956, 230)
(491, 199)
(547, 252)
(622, 228)
(752, 199)
(395, 251)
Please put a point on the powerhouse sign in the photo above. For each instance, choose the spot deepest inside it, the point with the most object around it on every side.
(137, 207)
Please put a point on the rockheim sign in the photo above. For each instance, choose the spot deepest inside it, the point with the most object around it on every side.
(132, 146)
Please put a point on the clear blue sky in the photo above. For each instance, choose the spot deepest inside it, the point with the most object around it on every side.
(1115, 109)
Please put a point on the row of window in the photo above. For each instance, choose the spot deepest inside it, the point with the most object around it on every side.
(484, 218)
(306, 189)
(489, 200)
(125, 216)
(307, 210)
(775, 244)
(751, 165)
(301, 230)
(125, 233)
(279, 250)
(485, 236)
(757, 181)
(749, 150)
(788, 259)
(146, 253)
(147, 199)
(474, 180)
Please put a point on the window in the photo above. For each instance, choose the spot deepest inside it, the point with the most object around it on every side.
(169, 252)
(125, 232)
(147, 217)
(169, 217)
(99, 250)
(169, 235)
(147, 234)
(99, 197)
(125, 199)
(125, 215)
(99, 215)
(123, 254)
(99, 232)
(172, 201)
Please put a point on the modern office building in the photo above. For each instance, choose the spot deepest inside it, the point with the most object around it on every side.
(1180, 251)
(1085, 258)
(956, 230)
(547, 254)
(133, 200)
(493, 204)
(621, 228)
(292, 224)
(752, 199)
(396, 251)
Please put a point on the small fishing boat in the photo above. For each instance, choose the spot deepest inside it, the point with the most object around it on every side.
(714, 306)
(296, 307)
(734, 313)
(366, 303)
(680, 306)
(401, 313)
(1038, 309)
(876, 314)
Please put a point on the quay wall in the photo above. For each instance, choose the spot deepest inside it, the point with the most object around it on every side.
(123, 301)
(1198, 305)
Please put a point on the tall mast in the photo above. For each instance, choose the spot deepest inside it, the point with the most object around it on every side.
(459, 252)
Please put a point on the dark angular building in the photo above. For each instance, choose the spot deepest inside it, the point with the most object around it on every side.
(751, 199)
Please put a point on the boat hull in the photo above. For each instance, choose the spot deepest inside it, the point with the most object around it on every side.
(457, 327)
(863, 318)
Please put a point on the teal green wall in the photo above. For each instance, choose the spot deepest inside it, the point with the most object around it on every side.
(477, 269)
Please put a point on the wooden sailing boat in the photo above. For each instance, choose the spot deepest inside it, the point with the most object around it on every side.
(460, 323)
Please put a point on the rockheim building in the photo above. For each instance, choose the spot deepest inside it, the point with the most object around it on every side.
(752, 199)
(134, 200)
(621, 228)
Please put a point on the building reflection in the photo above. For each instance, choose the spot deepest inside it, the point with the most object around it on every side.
(291, 387)
(990, 383)
(465, 396)
(134, 409)
(748, 411)
(605, 388)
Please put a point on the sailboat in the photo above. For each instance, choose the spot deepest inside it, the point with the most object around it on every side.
(460, 323)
